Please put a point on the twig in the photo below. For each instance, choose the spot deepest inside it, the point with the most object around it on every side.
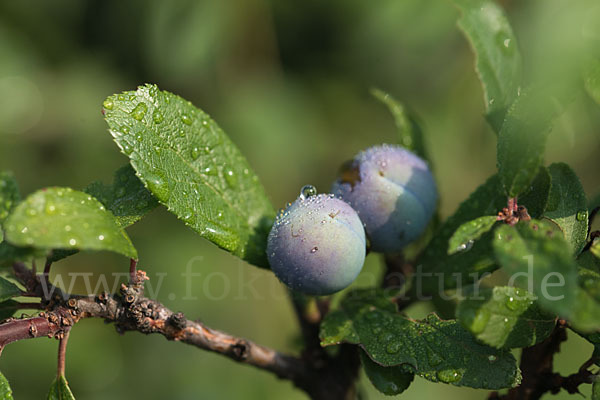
(330, 378)
(62, 353)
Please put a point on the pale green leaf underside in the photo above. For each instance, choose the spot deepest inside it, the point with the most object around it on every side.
(59, 390)
(193, 168)
(505, 317)
(469, 232)
(498, 61)
(567, 205)
(62, 218)
(440, 351)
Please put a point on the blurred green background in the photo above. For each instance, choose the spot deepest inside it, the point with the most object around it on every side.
(289, 81)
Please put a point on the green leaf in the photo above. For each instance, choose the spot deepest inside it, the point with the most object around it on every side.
(390, 381)
(440, 351)
(410, 135)
(9, 196)
(537, 257)
(505, 317)
(535, 199)
(469, 232)
(435, 261)
(62, 218)
(126, 198)
(59, 390)
(567, 205)
(5, 390)
(10, 254)
(498, 61)
(192, 167)
(8, 289)
(596, 388)
(7, 309)
(522, 139)
(592, 80)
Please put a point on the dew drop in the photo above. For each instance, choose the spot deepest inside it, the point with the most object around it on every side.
(50, 208)
(195, 153)
(68, 228)
(582, 215)
(186, 119)
(307, 191)
(157, 116)
(512, 303)
(231, 178)
(393, 347)
(72, 242)
(465, 246)
(492, 358)
(449, 375)
(139, 111)
(314, 249)
(108, 104)
(100, 237)
(158, 186)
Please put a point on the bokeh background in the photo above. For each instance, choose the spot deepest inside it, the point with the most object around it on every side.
(289, 82)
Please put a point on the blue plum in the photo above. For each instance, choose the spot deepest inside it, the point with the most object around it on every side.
(393, 192)
(317, 246)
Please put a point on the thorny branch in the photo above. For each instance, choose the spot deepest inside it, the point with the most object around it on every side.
(320, 376)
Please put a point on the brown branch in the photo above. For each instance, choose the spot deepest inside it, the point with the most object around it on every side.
(322, 377)
(537, 369)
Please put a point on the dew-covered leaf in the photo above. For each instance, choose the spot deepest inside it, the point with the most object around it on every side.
(522, 139)
(505, 317)
(536, 256)
(410, 135)
(127, 198)
(192, 167)
(390, 381)
(487, 199)
(5, 390)
(440, 351)
(59, 390)
(498, 61)
(9, 197)
(469, 232)
(567, 205)
(62, 218)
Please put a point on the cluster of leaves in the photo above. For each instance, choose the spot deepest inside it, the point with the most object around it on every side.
(181, 159)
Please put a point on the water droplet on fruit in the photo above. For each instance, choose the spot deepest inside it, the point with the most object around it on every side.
(195, 153)
(50, 208)
(307, 191)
